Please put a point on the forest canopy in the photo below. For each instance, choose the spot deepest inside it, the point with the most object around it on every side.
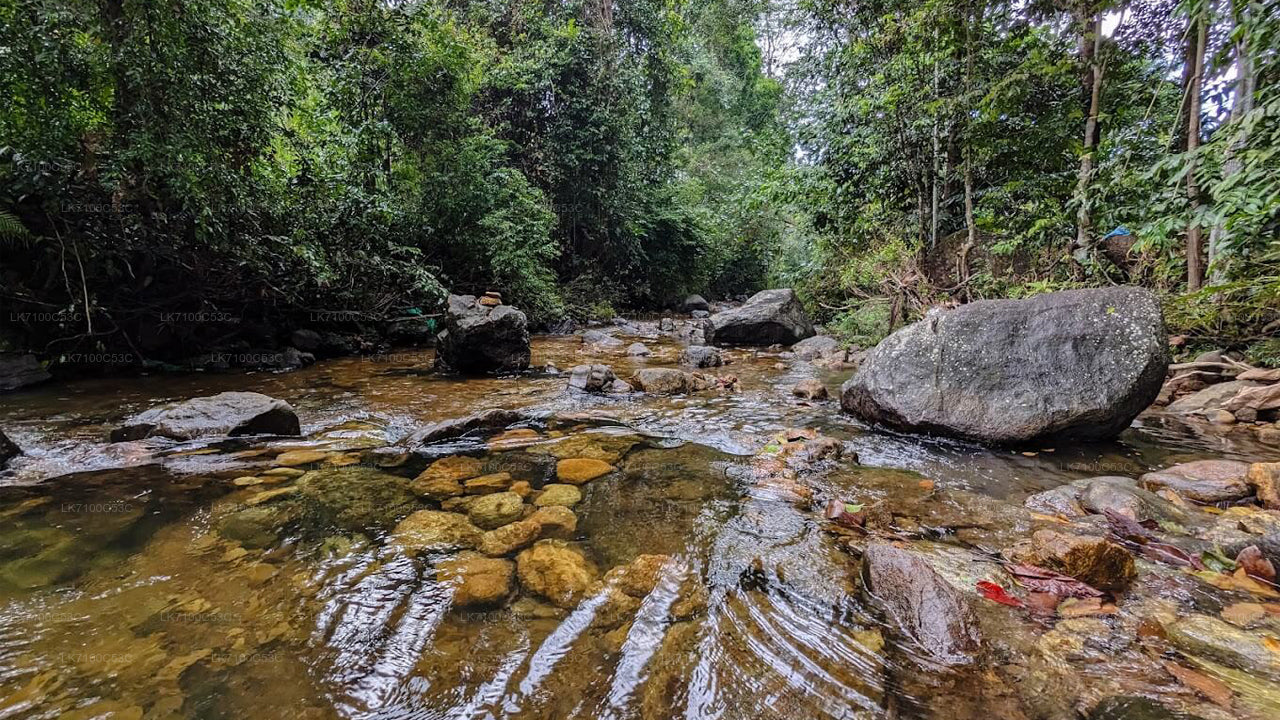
(265, 161)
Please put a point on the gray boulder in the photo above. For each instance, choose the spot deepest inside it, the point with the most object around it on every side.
(700, 356)
(20, 370)
(480, 338)
(770, 317)
(228, 413)
(818, 346)
(8, 449)
(923, 605)
(1073, 365)
(695, 302)
(591, 378)
(600, 339)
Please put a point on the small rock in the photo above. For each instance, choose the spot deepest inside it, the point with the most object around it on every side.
(293, 458)
(670, 381)
(925, 606)
(555, 521)
(559, 494)
(477, 581)
(695, 303)
(577, 471)
(701, 356)
(1122, 496)
(454, 467)
(490, 512)
(556, 571)
(619, 387)
(434, 530)
(1222, 417)
(1093, 560)
(1204, 481)
(510, 538)
(436, 489)
(600, 339)
(1063, 500)
(638, 350)
(487, 484)
(810, 389)
(591, 378)
(1264, 478)
(8, 449)
(818, 346)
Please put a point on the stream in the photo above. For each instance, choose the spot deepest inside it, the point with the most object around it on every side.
(162, 579)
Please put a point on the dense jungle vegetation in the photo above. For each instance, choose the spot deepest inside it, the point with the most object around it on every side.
(236, 164)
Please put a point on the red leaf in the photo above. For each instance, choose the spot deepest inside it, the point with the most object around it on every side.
(1255, 565)
(995, 593)
(1038, 579)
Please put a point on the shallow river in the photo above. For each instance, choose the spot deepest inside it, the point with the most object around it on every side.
(136, 583)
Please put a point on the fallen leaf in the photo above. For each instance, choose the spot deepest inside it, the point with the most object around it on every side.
(1038, 579)
(1043, 603)
(1170, 555)
(926, 484)
(846, 514)
(1243, 613)
(1255, 565)
(995, 593)
(1126, 528)
(1216, 561)
(1217, 692)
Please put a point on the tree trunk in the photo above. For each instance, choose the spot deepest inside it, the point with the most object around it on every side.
(1241, 105)
(1195, 268)
(1091, 37)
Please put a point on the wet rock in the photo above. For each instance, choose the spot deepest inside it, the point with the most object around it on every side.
(488, 484)
(8, 449)
(600, 339)
(638, 350)
(555, 521)
(356, 498)
(770, 317)
(1264, 478)
(619, 387)
(810, 389)
(494, 419)
(591, 378)
(669, 381)
(477, 581)
(1062, 501)
(305, 340)
(558, 494)
(1093, 560)
(700, 356)
(300, 456)
(666, 324)
(481, 339)
(490, 512)
(923, 605)
(818, 346)
(1204, 481)
(19, 370)
(258, 526)
(609, 447)
(1239, 527)
(1121, 495)
(1073, 365)
(428, 530)
(1203, 636)
(556, 571)
(695, 303)
(1254, 400)
(1209, 400)
(576, 471)
(437, 489)
(455, 468)
(228, 413)
(510, 538)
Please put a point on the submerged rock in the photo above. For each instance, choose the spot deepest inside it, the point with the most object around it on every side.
(428, 530)
(355, 498)
(923, 605)
(700, 356)
(228, 413)
(477, 581)
(818, 346)
(638, 350)
(600, 339)
(1208, 637)
(1073, 365)
(479, 338)
(576, 471)
(810, 389)
(1204, 481)
(494, 419)
(490, 512)
(1121, 495)
(770, 317)
(557, 571)
(510, 538)
(558, 494)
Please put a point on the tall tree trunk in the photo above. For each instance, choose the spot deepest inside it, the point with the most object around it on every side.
(1195, 267)
(1241, 105)
(1091, 37)
(933, 169)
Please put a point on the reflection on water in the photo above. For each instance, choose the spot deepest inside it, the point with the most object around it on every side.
(188, 582)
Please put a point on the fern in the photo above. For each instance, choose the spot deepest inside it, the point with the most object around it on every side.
(11, 228)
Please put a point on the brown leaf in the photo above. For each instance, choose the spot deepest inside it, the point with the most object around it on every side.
(1214, 690)
(1043, 603)
(1081, 607)
(1169, 555)
(1126, 528)
(1255, 565)
(1038, 579)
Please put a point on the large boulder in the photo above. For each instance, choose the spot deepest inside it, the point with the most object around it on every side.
(228, 413)
(695, 302)
(770, 317)
(1073, 365)
(19, 370)
(8, 449)
(922, 604)
(480, 338)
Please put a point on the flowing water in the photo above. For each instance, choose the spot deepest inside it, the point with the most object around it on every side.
(136, 583)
